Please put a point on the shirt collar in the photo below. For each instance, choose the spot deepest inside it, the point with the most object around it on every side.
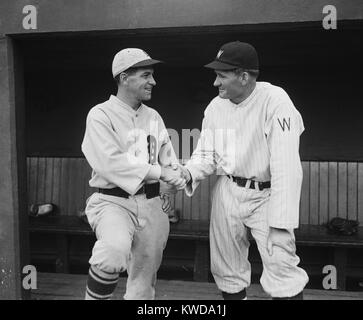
(124, 105)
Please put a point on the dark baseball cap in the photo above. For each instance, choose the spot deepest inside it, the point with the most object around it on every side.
(234, 55)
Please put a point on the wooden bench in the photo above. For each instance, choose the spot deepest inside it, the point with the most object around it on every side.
(64, 227)
(329, 189)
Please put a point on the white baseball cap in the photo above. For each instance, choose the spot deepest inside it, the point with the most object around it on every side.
(131, 57)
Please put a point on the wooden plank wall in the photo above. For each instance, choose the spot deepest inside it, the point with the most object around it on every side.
(329, 189)
(62, 181)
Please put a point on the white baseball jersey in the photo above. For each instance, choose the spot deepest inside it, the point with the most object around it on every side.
(257, 139)
(124, 147)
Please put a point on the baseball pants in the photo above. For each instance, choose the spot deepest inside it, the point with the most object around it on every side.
(131, 235)
(234, 209)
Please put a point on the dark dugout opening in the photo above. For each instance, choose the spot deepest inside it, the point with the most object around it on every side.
(67, 74)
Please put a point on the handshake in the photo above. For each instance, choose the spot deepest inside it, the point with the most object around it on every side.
(176, 175)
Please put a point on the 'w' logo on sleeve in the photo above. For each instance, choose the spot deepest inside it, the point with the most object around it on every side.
(284, 122)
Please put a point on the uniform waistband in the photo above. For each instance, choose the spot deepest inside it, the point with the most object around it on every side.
(249, 183)
(150, 190)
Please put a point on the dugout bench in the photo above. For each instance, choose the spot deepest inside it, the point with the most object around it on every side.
(64, 227)
(328, 189)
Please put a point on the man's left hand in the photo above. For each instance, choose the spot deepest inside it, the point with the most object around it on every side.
(281, 238)
(166, 202)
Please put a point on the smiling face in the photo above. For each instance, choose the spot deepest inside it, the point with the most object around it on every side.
(140, 84)
(229, 84)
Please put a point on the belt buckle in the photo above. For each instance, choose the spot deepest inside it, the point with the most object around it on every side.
(148, 191)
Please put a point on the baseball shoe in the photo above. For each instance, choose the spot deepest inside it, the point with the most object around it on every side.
(235, 296)
(299, 296)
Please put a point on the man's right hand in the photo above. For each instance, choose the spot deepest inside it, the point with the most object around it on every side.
(184, 171)
(173, 176)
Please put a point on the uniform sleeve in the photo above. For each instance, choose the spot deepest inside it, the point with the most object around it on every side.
(167, 156)
(203, 160)
(283, 129)
(106, 156)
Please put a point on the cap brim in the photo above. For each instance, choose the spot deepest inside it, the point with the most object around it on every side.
(217, 65)
(145, 63)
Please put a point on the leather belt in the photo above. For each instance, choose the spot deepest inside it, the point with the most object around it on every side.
(151, 190)
(243, 182)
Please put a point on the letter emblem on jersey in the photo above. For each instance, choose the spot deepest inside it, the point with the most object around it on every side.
(284, 123)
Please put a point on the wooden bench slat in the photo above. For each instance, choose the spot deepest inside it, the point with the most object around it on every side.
(41, 181)
(323, 192)
(33, 183)
(342, 190)
(360, 193)
(76, 202)
(64, 185)
(305, 194)
(28, 161)
(333, 190)
(48, 181)
(56, 185)
(352, 191)
(314, 194)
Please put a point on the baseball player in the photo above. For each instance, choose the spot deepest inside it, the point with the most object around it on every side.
(250, 137)
(128, 148)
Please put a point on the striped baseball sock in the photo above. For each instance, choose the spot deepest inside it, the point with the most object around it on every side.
(100, 284)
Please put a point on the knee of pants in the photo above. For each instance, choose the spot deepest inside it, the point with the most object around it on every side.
(281, 261)
(110, 257)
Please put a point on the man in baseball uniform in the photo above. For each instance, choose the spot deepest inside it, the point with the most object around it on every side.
(250, 137)
(129, 150)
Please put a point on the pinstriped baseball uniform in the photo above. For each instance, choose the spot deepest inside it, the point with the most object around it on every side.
(131, 232)
(257, 139)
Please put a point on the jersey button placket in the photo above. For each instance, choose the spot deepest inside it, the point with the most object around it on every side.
(135, 137)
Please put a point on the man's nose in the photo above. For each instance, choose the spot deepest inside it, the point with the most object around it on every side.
(152, 81)
(216, 82)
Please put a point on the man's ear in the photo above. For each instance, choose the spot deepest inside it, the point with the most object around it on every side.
(123, 76)
(244, 78)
